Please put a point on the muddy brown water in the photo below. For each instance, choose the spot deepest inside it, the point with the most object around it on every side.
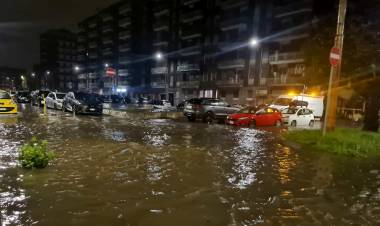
(111, 171)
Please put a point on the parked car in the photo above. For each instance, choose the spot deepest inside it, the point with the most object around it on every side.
(130, 100)
(143, 101)
(54, 100)
(208, 109)
(84, 103)
(181, 106)
(23, 97)
(250, 117)
(38, 97)
(7, 104)
(298, 117)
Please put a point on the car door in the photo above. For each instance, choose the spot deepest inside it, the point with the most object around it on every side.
(302, 118)
(260, 117)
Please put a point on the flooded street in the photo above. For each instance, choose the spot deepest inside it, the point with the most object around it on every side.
(113, 171)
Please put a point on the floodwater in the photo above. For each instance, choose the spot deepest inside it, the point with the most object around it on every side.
(111, 171)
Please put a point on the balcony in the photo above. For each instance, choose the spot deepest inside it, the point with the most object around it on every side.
(93, 56)
(107, 41)
(107, 52)
(125, 22)
(124, 35)
(188, 84)
(230, 4)
(108, 84)
(286, 58)
(158, 85)
(161, 25)
(230, 83)
(294, 8)
(125, 9)
(192, 16)
(124, 48)
(93, 45)
(193, 32)
(188, 67)
(161, 12)
(92, 35)
(122, 83)
(159, 70)
(231, 64)
(283, 80)
(82, 76)
(106, 18)
(233, 23)
(161, 43)
(123, 72)
(189, 2)
(107, 28)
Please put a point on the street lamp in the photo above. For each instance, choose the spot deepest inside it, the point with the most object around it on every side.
(158, 56)
(48, 72)
(254, 42)
(33, 74)
(106, 65)
(76, 68)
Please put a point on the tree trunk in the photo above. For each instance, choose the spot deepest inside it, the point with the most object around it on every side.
(371, 114)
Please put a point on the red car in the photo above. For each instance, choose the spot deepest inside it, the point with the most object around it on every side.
(250, 117)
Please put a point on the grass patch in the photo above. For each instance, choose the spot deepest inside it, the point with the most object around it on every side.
(351, 142)
(35, 154)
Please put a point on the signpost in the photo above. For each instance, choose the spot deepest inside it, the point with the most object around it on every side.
(110, 72)
(336, 62)
(335, 57)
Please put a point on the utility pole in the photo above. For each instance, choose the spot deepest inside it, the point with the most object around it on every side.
(332, 96)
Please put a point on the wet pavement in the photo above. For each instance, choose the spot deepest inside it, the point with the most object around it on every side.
(111, 171)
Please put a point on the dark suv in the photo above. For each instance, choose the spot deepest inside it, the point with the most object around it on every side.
(208, 109)
(84, 103)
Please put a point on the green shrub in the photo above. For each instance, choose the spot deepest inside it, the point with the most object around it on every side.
(35, 154)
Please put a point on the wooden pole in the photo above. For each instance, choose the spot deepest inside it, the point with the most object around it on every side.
(332, 95)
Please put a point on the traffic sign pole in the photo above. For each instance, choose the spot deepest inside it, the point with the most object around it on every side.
(336, 62)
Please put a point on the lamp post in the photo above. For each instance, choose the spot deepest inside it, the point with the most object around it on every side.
(159, 57)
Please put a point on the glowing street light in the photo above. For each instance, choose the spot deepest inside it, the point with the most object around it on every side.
(106, 65)
(48, 72)
(76, 68)
(33, 74)
(254, 42)
(158, 56)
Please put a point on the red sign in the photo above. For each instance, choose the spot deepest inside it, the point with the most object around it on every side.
(335, 56)
(110, 72)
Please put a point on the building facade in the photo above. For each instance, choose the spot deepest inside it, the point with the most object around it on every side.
(244, 51)
(208, 51)
(57, 59)
(116, 37)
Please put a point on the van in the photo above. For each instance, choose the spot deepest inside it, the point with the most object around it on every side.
(314, 103)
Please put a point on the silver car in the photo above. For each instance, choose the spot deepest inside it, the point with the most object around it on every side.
(54, 100)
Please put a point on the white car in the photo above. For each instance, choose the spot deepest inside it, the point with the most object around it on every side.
(54, 100)
(298, 117)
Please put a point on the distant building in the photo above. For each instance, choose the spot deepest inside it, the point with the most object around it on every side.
(57, 59)
(117, 37)
(12, 78)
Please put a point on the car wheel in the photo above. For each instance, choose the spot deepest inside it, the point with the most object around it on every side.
(311, 123)
(191, 118)
(278, 123)
(208, 118)
(294, 123)
(252, 124)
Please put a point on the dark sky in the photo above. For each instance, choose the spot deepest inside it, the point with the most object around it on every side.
(21, 22)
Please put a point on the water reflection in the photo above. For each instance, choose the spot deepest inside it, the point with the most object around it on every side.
(113, 171)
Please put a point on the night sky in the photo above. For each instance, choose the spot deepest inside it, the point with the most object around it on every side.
(21, 22)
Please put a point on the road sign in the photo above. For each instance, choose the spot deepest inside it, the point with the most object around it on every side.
(110, 72)
(335, 56)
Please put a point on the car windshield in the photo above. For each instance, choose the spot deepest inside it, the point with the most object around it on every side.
(60, 95)
(87, 97)
(283, 101)
(23, 94)
(4, 95)
(290, 111)
(246, 111)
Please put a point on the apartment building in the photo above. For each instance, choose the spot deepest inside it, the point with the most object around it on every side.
(207, 50)
(57, 59)
(117, 38)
